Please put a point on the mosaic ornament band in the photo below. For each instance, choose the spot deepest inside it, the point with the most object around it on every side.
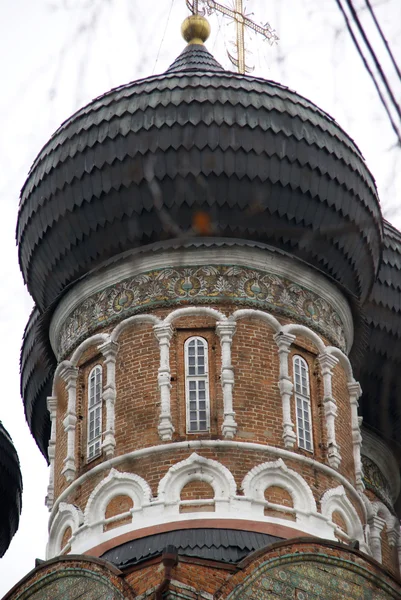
(201, 285)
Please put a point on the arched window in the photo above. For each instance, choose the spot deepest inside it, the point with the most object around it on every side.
(94, 412)
(302, 403)
(197, 385)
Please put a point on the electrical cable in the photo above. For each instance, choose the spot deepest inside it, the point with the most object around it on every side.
(369, 70)
(383, 37)
(374, 57)
(164, 33)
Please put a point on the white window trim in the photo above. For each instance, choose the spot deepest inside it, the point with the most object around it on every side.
(91, 443)
(304, 398)
(189, 378)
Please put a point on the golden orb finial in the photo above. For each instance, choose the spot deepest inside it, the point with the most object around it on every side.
(195, 29)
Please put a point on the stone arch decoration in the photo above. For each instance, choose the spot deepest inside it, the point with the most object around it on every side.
(197, 468)
(116, 484)
(310, 571)
(336, 499)
(276, 473)
(68, 515)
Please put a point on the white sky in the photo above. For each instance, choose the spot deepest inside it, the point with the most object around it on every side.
(59, 54)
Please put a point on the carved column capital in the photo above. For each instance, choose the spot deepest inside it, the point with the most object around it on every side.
(284, 340)
(226, 329)
(109, 349)
(163, 332)
(69, 374)
(327, 362)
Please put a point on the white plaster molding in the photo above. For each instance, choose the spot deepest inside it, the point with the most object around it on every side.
(67, 515)
(392, 524)
(337, 500)
(115, 484)
(164, 332)
(343, 360)
(252, 313)
(276, 473)
(69, 374)
(270, 451)
(355, 392)
(52, 408)
(135, 320)
(109, 350)
(285, 384)
(374, 448)
(93, 340)
(144, 259)
(303, 331)
(327, 364)
(225, 330)
(197, 468)
(376, 525)
(188, 311)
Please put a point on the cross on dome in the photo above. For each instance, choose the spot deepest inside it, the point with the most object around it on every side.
(241, 20)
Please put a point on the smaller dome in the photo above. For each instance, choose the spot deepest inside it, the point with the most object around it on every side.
(10, 490)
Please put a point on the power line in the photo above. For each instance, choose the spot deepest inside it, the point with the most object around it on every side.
(164, 33)
(369, 70)
(374, 57)
(383, 37)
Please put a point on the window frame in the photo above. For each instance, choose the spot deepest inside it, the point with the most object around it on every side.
(302, 395)
(190, 378)
(94, 444)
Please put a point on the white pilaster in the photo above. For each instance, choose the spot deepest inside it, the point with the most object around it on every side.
(164, 334)
(52, 408)
(284, 341)
(376, 525)
(355, 391)
(109, 351)
(225, 330)
(327, 363)
(69, 374)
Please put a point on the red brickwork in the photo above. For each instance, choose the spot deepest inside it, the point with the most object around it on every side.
(117, 506)
(277, 495)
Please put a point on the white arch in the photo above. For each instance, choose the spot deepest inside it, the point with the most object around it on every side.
(337, 500)
(136, 319)
(187, 311)
(343, 360)
(252, 313)
(96, 339)
(276, 473)
(116, 484)
(68, 515)
(302, 330)
(379, 509)
(196, 468)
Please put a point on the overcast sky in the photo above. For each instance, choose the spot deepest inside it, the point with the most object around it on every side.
(59, 54)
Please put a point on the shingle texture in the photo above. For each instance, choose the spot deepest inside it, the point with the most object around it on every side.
(10, 490)
(264, 162)
(224, 545)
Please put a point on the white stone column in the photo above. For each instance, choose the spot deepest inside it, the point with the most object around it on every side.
(225, 330)
(69, 374)
(286, 386)
(164, 334)
(109, 351)
(376, 525)
(355, 391)
(327, 363)
(52, 408)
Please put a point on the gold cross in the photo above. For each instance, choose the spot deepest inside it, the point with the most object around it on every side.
(241, 21)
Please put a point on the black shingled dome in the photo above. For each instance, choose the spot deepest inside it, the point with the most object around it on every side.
(266, 163)
(135, 165)
(10, 490)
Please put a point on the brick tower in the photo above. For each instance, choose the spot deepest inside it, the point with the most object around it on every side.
(205, 254)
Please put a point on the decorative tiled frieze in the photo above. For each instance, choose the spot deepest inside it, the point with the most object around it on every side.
(201, 284)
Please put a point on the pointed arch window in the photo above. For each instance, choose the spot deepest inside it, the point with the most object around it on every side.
(302, 403)
(94, 443)
(197, 385)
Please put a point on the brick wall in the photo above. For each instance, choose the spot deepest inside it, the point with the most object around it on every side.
(117, 506)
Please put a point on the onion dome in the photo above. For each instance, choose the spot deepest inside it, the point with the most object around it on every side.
(380, 372)
(137, 164)
(37, 366)
(10, 490)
